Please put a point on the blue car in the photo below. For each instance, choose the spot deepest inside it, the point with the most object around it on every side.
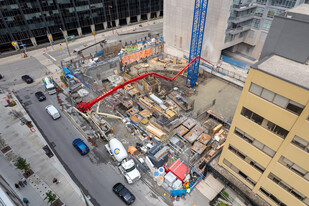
(81, 147)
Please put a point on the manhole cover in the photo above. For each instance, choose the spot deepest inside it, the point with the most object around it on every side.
(27, 103)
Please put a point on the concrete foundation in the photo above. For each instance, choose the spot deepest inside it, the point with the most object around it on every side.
(138, 18)
(33, 41)
(148, 16)
(105, 25)
(79, 31)
(92, 28)
(101, 72)
(128, 20)
(117, 22)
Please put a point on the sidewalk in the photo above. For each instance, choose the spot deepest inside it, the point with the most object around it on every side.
(28, 145)
(12, 176)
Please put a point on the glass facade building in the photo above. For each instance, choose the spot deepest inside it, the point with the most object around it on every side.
(30, 21)
(256, 14)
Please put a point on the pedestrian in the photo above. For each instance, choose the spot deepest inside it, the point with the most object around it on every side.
(21, 184)
(55, 180)
(17, 186)
(24, 181)
(26, 201)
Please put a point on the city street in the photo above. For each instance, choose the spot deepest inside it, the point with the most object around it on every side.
(93, 172)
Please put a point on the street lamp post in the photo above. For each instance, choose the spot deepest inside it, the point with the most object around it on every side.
(110, 16)
(66, 41)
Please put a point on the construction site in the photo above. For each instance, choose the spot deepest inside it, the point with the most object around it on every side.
(138, 94)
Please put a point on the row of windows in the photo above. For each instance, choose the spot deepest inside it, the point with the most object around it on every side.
(277, 99)
(272, 197)
(235, 169)
(264, 123)
(294, 167)
(254, 142)
(247, 159)
(288, 188)
(301, 143)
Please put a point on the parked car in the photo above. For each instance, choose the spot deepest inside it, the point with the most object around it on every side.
(52, 111)
(81, 147)
(40, 96)
(124, 193)
(27, 79)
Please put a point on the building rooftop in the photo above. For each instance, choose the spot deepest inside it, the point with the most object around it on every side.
(301, 9)
(283, 68)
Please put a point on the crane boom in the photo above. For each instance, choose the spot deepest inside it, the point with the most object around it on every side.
(86, 106)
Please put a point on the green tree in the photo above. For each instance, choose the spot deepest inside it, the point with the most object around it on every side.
(50, 196)
(22, 164)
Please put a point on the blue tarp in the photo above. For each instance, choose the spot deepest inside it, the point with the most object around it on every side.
(100, 53)
(69, 76)
(235, 62)
(66, 71)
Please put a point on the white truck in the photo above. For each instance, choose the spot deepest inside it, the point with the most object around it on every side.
(49, 85)
(126, 166)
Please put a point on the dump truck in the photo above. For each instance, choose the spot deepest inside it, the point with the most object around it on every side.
(126, 166)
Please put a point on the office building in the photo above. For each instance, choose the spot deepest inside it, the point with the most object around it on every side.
(237, 27)
(267, 147)
(31, 22)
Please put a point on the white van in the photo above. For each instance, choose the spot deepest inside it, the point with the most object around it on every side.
(52, 111)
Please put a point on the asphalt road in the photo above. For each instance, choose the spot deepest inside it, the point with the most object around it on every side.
(12, 72)
(94, 172)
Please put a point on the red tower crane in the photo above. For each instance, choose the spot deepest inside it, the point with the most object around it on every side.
(86, 106)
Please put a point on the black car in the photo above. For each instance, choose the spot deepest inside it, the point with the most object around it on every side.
(27, 79)
(124, 193)
(40, 96)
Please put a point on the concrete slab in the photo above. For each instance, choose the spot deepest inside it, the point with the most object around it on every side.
(214, 90)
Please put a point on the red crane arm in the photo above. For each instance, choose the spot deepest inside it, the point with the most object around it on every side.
(85, 106)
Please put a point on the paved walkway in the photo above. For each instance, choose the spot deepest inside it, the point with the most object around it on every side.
(12, 176)
(28, 145)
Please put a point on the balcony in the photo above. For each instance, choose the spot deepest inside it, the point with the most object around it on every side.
(240, 19)
(237, 30)
(243, 7)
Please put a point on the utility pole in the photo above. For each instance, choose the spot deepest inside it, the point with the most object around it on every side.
(66, 41)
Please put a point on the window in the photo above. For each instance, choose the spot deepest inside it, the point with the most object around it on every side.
(271, 13)
(266, 124)
(257, 118)
(281, 101)
(277, 99)
(272, 197)
(247, 159)
(246, 112)
(301, 143)
(267, 24)
(254, 142)
(236, 170)
(268, 95)
(286, 187)
(268, 151)
(295, 107)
